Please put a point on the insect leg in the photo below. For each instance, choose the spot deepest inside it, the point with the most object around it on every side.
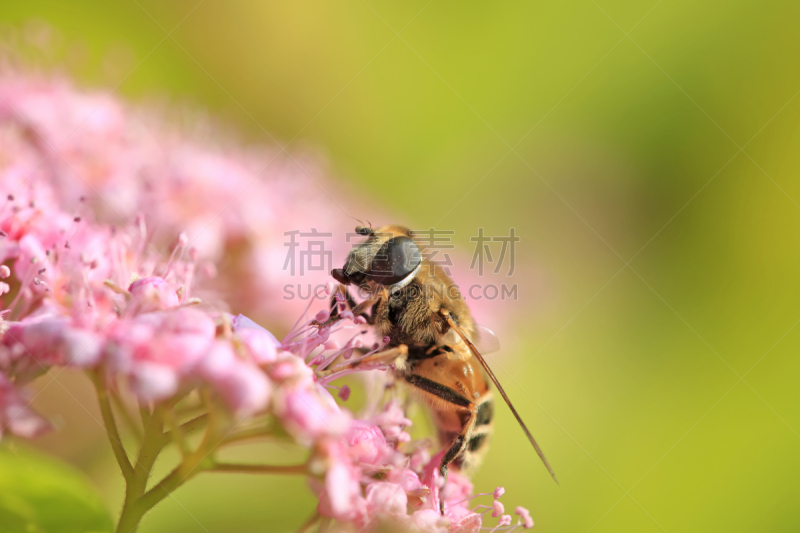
(341, 289)
(460, 403)
(357, 309)
(457, 448)
(397, 355)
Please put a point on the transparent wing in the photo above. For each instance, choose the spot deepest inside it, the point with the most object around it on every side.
(485, 340)
(455, 327)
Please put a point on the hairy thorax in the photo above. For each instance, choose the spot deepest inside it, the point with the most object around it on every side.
(411, 316)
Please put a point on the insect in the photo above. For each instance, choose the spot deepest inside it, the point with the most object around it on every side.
(431, 335)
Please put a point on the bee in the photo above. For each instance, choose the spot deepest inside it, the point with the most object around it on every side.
(432, 335)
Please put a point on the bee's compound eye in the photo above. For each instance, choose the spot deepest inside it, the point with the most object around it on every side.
(362, 230)
(397, 258)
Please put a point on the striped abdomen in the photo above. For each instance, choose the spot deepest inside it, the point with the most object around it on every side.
(457, 392)
(477, 440)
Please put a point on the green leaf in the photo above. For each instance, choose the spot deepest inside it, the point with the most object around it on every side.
(40, 494)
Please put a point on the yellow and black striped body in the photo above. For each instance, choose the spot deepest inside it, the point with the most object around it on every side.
(413, 303)
(453, 385)
(478, 440)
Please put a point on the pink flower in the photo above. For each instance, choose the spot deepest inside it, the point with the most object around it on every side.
(51, 340)
(309, 416)
(419, 458)
(77, 234)
(366, 442)
(430, 520)
(497, 509)
(458, 487)
(525, 515)
(340, 497)
(456, 495)
(159, 349)
(152, 381)
(261, 344)
(128, 161)
(243, 386)
(408, 480)
(291, 371)
(31, 253)
(15, 415)
(392, 420)
(152, 294)
(386, 499)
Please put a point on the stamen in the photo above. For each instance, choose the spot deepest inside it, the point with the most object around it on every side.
(474, 496)
(29, 274)
(505, 520)
(300, 319)
(191, 302)
(497, 509)
(116, 288)
(183, 240)
(525, 515)
(344, 393)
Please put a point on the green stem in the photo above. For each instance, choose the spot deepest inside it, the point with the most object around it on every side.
(180, 475)
(245, 434)
(175, 430)
(139, 500)
(111, 427)
(309, 524)
(258, 469)
(130, 518)
(144, 414)
(129, 421)
(196, 463)
(132, 509)
(196, 423)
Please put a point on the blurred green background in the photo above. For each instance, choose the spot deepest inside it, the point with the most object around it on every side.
(645, 152)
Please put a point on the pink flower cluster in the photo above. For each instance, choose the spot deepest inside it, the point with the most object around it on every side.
(235, 205)
(87, 285)
(74, 305)
(368, 471)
